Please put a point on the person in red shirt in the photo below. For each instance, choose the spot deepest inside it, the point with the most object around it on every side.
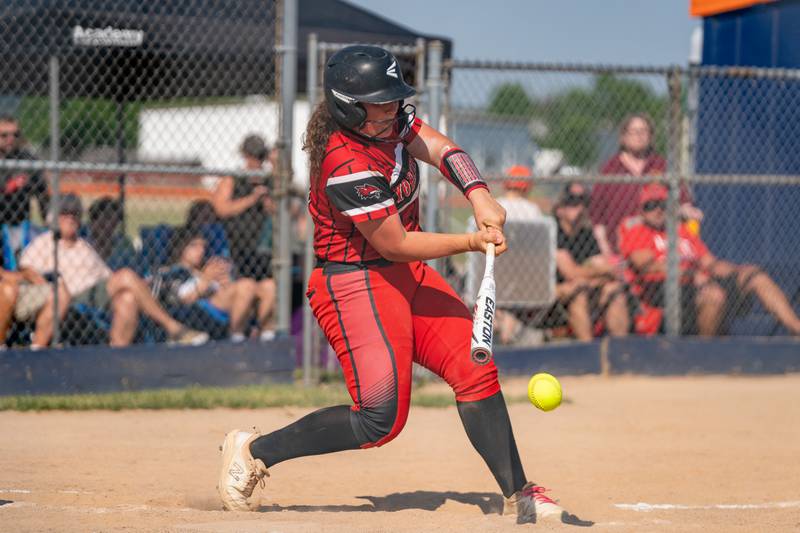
(380, 306)
(611, 203)
(707, 283)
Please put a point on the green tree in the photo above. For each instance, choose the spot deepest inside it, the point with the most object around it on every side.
(511, 99)
(577, 120)
(84, 123)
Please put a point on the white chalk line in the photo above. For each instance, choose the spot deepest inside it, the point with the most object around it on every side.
(648, 507)
(617, 523)
(62, 491)
(121, 508)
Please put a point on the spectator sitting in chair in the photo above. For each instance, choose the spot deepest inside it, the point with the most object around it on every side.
(26, 296)
(105, 235)
(707, 282)
(587, 284)
(202, 218)
(193, 280)
(89, 280)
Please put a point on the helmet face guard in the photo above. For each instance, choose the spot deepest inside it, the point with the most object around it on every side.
(363, 74)
(402, 120)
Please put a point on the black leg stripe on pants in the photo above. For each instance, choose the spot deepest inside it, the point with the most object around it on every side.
(377, 411)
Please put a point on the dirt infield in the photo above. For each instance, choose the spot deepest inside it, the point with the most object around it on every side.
(631, 454)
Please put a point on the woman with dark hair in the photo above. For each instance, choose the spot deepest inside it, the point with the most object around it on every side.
(380, 306)
(201, 213)
(612, 203)
(586, 283)
(193, 280)
(105, 221)
(245, 207)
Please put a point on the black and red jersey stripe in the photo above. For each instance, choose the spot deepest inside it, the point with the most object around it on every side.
(359, 181)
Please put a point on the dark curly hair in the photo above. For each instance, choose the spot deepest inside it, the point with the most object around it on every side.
(319, 130)
(181, 238)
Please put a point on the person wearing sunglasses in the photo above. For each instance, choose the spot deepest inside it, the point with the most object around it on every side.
(586, 281)
(711, 288)
(18, 186)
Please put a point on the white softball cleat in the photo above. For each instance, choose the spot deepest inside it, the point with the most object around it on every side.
(240, 471)
(530, 504)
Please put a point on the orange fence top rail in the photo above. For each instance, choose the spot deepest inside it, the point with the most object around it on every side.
(704, 8)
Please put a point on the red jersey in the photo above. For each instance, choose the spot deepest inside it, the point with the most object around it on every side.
(635, 235)
(361, 180)
(611, 203)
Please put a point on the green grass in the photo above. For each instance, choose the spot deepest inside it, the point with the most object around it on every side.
(247, 397)
(150, 211)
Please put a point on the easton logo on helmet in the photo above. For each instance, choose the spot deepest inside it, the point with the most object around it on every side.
(367, 191)
(392, 70)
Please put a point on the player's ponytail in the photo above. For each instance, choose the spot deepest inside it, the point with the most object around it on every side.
(320, 127)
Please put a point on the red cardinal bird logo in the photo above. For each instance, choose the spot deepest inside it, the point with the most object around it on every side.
(367, 191)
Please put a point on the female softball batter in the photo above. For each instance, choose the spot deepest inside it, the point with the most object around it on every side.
(380, 306)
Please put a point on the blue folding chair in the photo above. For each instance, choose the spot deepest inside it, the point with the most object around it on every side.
(15, 237)
(155, 247)
(217, 240)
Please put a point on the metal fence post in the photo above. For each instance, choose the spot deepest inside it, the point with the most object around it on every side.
(434, 83)
(446, 210)
(119, 108)
(672, 286)
(55, 142)
(308, 263)
(288, 87)
(419, 82)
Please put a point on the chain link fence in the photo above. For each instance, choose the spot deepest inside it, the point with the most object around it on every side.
(146, 147)
(139, 137)
(662, 200)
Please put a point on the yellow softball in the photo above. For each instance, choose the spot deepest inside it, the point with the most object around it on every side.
(544, 391)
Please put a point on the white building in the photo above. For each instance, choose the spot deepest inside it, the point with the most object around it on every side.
(212, 134)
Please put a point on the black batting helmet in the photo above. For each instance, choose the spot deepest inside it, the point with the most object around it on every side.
(362, 73)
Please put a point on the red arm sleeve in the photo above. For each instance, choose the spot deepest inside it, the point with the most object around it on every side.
(460, 170)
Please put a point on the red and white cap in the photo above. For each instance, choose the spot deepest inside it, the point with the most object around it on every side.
(653, 192)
